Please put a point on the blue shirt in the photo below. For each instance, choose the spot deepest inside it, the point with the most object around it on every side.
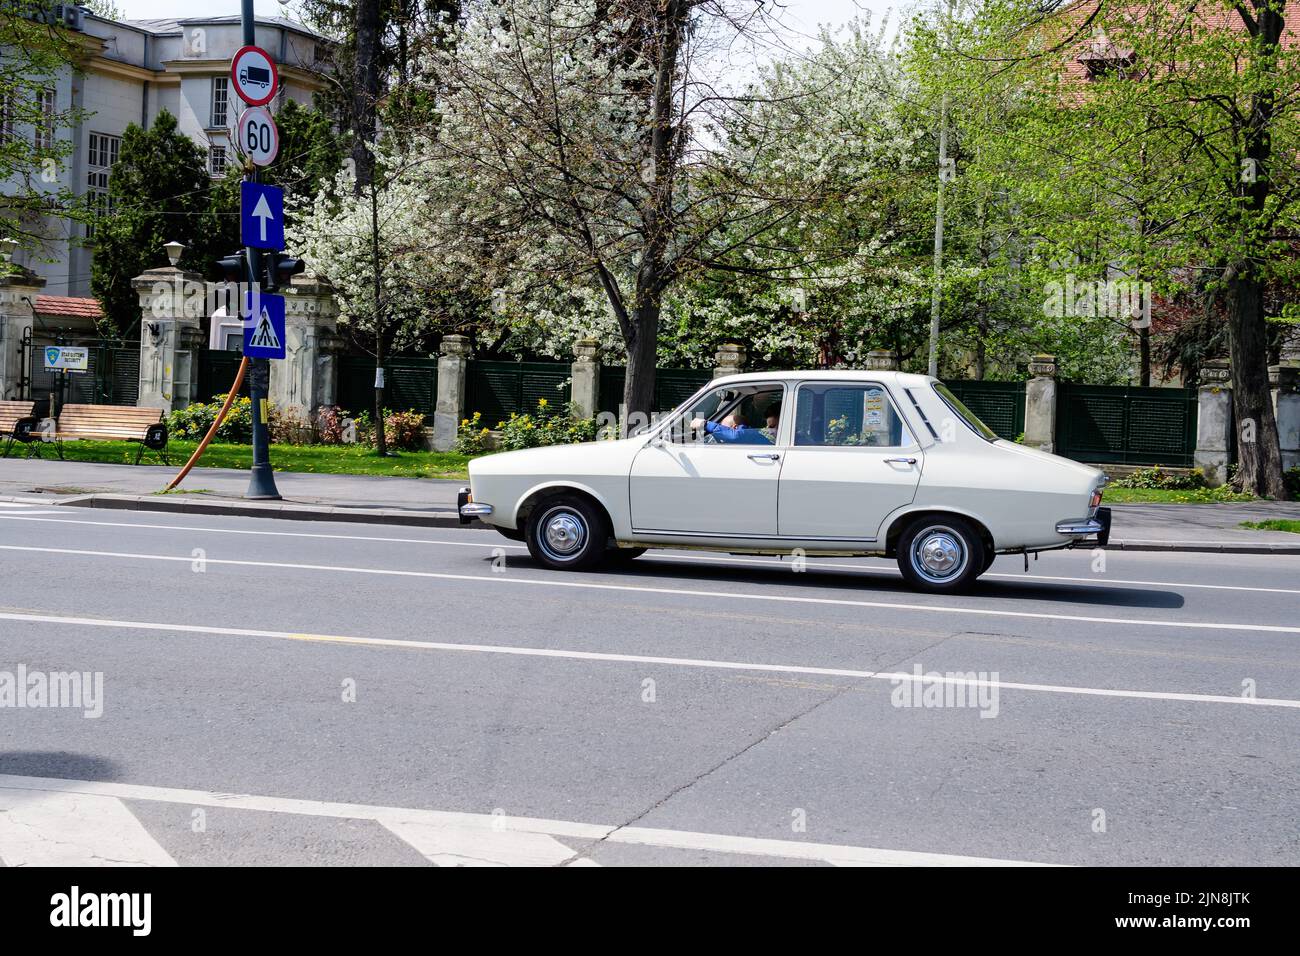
(740, 435)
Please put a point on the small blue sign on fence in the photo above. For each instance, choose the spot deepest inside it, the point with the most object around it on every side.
(261, 216)
(264, 326)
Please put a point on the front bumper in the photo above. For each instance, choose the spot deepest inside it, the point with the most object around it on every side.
(468, 508)
(1098, 524)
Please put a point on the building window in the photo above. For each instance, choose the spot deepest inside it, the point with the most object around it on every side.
(49, 106)
(102, 154)
(217, 160)
(220, 99)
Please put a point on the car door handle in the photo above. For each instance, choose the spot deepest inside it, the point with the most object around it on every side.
(900, 461)
(767, 457)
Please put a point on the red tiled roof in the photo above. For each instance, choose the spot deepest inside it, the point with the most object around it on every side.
(69, 306)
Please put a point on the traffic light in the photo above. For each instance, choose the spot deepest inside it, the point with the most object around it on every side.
(281, 268)
(233, 268)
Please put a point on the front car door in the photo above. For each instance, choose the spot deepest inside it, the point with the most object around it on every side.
(852, 461)
(686, 481)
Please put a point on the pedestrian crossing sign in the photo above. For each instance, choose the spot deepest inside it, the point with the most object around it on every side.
(264, 326)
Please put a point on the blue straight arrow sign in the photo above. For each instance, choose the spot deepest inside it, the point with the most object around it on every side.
(261, 216)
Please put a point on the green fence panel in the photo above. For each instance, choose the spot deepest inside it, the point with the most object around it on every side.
(1000, 405)
(1117, 424)
(672, 386)
(497, 389)
(217, 370)
(410, 383)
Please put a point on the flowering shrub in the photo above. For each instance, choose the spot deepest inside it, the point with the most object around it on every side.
(329, 425)
(404, 431)
(1156, 478)
(193, 422)
(548, 425)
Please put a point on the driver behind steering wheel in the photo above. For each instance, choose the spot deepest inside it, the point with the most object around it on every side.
(731, 430)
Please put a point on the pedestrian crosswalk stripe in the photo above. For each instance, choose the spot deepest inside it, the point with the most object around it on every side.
(66, 828)
(449, 838)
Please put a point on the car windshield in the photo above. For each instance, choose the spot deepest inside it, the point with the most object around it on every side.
(964, 413)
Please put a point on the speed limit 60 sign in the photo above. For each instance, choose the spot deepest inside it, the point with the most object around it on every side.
(253, 74)
(256, 136)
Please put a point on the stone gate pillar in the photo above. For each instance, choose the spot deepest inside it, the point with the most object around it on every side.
(18, 292)
(171, 304)
(585, 375)
(450, 409)
(307, 377)
(729, 359)
(1214, 421)
(1285, 382)
(1040, 404)
(881, 360)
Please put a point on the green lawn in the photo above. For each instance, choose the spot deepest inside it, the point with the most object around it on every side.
(320, 459)
(1165, 496)
(1274, 524)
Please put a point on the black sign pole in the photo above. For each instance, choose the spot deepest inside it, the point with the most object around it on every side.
(261, 482)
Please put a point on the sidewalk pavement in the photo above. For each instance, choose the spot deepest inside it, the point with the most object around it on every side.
(432, 503)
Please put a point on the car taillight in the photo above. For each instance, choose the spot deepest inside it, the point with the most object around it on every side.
(1095, 500)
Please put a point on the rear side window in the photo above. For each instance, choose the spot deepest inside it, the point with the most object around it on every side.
(964, 413)
(841, 414)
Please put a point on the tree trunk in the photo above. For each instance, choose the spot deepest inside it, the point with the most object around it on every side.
(365, 89)
(1144, 353)
(642, 360)
(1259, 455)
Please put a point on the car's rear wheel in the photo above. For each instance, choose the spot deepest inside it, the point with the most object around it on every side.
(941, 554)
(567, 533)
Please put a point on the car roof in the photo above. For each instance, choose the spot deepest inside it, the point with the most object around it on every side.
(901, 379)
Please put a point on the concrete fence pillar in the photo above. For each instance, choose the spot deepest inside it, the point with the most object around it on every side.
(1285, 383)
(879, 360)
(585, 375)
(450, 409)
(1040, 404)
(1214, 421)
(18, 292)
(307, 377)
(170, 337)
(729, 359)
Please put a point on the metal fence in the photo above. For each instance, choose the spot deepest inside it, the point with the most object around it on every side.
(496, 389)
(112, 376)
(672, 386)
(217, 370)
(1000, 405)
(1118, 424)
(410, 383)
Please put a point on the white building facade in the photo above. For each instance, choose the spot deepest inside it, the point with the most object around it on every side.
(129, 72)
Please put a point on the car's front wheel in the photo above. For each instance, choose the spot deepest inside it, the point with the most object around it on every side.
(941, 554)
(566, 533)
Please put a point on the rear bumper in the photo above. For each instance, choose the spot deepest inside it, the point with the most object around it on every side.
(1098, 524)
(469, 509)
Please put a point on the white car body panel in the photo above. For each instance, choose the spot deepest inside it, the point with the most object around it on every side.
(821, 499)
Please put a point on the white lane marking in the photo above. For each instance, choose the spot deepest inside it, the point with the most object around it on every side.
(658, 557)
(482, 824)
(748, 596)
(465, 846)
(67, 828)
(564, 654)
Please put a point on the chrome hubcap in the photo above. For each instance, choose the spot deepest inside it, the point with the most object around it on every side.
(564, 534)
(938, 554)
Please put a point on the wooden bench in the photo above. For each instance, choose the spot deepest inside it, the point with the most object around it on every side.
(113, 423)
(11, 413)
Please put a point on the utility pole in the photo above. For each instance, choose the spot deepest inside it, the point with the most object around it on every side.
(945, 172)
(261, 481)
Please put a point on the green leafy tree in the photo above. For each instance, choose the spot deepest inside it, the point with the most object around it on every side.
(159, 191)
(35, 53)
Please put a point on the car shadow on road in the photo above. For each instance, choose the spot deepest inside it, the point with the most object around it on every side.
(694, 574)
(59, 764)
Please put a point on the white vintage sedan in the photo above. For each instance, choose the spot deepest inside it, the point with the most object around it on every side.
(818, 463)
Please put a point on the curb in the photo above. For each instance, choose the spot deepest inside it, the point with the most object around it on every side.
(282, 510)
(449, 519)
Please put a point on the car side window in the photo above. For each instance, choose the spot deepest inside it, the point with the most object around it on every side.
(839, 414)
(736, 414)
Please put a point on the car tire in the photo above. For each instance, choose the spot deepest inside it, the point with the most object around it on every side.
(514, 534)
(567, 533)
(989, 557)
(942, 554)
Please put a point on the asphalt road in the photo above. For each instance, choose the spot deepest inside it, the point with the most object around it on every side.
(381, 695)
